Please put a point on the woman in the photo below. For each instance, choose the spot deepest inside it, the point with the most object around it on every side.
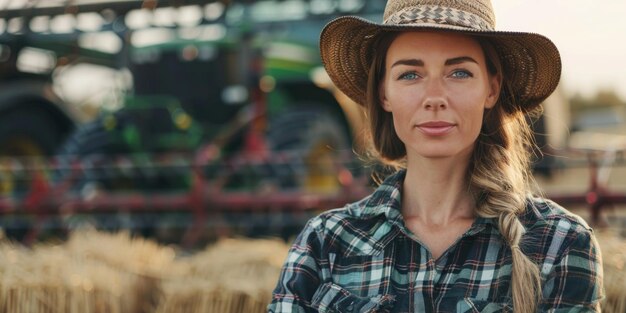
(455, 229)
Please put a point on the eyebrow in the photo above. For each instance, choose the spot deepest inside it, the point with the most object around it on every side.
(410, 62)
(460, 60)
(418, 62)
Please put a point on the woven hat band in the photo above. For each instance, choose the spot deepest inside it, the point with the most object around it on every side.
(434, 14)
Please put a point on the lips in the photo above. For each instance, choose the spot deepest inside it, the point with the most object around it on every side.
(435, 128)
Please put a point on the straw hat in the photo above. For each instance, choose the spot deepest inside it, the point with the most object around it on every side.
(531, 62)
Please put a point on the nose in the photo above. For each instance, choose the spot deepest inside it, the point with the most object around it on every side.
(435, 96)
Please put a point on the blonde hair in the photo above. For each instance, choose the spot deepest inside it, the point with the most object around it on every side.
(499, 172)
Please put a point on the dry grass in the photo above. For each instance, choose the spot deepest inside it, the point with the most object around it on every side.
(234, 275)
(614, 256)
(48, 279)
(98, 272)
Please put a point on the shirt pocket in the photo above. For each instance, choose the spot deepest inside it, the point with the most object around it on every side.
(331, 297)
(484, 306)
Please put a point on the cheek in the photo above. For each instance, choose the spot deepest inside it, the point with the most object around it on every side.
(471, 107)
(474, 121)
(401, 123)
(471, 96)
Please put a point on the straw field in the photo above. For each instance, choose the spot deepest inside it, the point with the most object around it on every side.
(99, 272)
(614, 258)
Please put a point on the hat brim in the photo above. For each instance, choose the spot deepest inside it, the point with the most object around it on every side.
(531, 62)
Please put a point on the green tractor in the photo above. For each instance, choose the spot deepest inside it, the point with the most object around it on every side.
(248, 82)
(233, 91)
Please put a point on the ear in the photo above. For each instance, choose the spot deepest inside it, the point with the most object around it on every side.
(382, 97)
(495, 83)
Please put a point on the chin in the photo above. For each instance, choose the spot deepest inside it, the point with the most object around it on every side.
(443, 153)
(436, 155)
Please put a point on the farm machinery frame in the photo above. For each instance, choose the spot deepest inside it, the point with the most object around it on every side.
(230, 122)
(242, 79)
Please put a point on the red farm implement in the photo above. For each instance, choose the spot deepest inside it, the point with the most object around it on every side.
(602, 154)
(201, 193)
(207, 194)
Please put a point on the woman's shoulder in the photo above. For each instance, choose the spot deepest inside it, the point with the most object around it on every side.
(357, 228)
(351, 215)
(545, 212)
(554, 230)
(382, 204)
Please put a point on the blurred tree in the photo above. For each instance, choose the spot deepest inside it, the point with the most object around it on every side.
(604, 110)
(604, 98)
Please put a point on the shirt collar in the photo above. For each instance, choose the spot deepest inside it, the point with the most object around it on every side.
(387, 200)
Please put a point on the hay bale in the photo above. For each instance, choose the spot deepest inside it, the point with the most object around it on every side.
(98, 272)
(121, 250)
(199, 295)
(613, 249)
(233, 275)
(46, 280)
(92, 272)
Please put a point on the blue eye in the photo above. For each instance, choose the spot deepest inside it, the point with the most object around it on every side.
(462, 74)
(409, 76)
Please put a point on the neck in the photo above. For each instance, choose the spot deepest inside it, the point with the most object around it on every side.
(436, 191)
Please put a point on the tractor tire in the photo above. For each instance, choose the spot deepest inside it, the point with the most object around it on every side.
(95, 146)
(91, 143)
(313, 141)
(90, 138)
(29, 132)
(24, 132)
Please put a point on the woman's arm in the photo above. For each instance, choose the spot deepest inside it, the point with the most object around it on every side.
(575, 283)
(300, 276)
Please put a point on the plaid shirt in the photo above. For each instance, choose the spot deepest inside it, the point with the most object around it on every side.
(362, 258)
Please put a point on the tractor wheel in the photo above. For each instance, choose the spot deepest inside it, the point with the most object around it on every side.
(96, 144)
(313, 141)
(24, 132)
(93, 143)
(89, 138)
(28, 132)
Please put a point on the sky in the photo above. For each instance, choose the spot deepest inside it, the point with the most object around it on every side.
(591, 36)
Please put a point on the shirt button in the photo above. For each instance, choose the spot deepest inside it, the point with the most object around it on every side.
(350, 307)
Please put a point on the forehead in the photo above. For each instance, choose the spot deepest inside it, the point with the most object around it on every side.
(443, 44)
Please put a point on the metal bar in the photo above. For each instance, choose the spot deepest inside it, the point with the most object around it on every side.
(207, 199)
(119, 7)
